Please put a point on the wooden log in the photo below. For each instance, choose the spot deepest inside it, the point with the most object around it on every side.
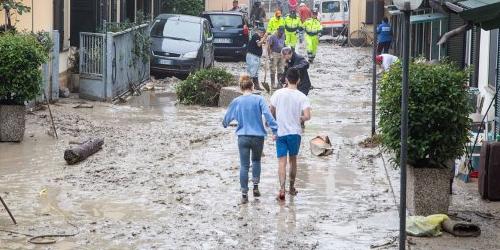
(81, 152)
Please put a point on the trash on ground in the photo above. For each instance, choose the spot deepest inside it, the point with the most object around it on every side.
(321, 146)
(461, 228)
(429, 226)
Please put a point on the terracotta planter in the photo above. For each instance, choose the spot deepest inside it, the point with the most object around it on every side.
(12, 123)
(428, 190)
(75, 83)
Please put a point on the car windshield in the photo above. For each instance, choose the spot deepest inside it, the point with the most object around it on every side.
(176, 29)
(227, 21)
(331, 7)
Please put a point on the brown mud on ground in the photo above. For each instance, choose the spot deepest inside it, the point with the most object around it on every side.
(167, 177)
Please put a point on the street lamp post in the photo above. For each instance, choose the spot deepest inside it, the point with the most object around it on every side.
(406, 6)
(374, 68)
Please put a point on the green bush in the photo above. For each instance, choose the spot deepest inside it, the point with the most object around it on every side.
(203, 87)
(438, 113)
(186, 7)
(20, 60)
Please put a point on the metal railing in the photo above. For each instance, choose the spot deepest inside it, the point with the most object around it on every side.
(92, 54)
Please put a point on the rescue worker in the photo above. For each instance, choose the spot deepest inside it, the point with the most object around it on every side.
(257, 15)
(313, 29)
(276, 43)
(292, 26)
(292, 5)
(275, 22)
(304, 13)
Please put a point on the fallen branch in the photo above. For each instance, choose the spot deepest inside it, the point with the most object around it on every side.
(83, 106)
(83, 151)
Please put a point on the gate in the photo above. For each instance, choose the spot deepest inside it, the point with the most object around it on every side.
(108, 67)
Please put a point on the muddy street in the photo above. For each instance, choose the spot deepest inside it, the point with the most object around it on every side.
(168, 175)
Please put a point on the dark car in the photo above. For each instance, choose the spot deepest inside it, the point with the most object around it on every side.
(231, 33)
(181, 44)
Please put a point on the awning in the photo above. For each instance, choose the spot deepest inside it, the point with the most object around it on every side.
(426, 18)
(485, 13)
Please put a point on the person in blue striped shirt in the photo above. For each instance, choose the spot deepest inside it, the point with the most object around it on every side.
(248, 111)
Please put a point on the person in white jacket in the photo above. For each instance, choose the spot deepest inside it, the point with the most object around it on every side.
(386, 60)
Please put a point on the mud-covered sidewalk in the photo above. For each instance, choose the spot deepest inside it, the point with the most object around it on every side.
(167, 177)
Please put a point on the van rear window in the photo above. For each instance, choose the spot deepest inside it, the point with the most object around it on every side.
(330, 7)
(227, 21)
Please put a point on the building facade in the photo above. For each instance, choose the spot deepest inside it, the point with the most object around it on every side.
(477, 46)
(70, 17)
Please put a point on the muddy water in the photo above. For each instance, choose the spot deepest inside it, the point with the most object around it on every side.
(167, 177)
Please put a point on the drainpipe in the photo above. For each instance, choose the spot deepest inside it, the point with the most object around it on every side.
(32, 17)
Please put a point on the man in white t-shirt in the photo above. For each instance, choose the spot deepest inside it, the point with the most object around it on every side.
(290, 107)
(386, 60)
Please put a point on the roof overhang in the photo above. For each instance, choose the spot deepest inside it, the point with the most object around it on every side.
(483, 13)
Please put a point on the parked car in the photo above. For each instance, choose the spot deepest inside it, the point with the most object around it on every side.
(231, 33)
(181, 44)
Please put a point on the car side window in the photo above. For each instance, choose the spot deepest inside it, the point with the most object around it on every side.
(207, 32)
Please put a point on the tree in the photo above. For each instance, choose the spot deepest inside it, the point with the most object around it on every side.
(10, 7)
(186, 7)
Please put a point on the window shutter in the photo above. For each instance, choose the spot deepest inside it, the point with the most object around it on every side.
(474, 55)
(456, 45)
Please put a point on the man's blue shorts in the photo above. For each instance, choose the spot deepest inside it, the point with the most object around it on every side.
(288, 145)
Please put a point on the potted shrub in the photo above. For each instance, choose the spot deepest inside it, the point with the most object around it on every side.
(203, 87)
(438, 129)
(74, 61)
(20, 81)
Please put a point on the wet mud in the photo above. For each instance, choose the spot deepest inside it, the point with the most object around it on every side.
(167, 176)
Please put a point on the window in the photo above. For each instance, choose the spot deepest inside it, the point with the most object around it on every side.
(207, 32)
(176, 30)
(226, 21)
(369, 11)
(494, 73)
(330, 7)
(346, 6)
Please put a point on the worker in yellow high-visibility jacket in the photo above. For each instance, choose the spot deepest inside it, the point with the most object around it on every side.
(275, 22)
(312, 28)
(292, 26)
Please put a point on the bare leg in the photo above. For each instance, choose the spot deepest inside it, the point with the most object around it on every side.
(293, 174)
(282, 176)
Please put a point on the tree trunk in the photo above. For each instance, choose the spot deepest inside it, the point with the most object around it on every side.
(81, 152)
(7, 19)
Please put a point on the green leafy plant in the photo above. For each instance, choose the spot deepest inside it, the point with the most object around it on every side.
(10, 7)
(438, 113)
(20, 61)
(203, 87)
(186, 7)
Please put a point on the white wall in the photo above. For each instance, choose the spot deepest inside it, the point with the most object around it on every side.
(484, 60)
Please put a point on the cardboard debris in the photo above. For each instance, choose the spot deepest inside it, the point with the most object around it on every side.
(321, 146)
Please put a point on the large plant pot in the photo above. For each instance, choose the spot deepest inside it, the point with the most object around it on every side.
(12, 123)
(75, 83)
(428, 190)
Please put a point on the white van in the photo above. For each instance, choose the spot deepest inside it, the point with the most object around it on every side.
(333, 14)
